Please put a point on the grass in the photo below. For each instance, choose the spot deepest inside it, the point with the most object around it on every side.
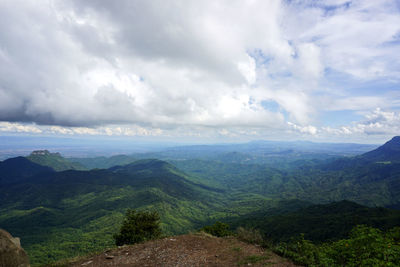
(254, 259)
(237, 249)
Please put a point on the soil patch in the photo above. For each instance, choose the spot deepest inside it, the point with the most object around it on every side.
(186, 250)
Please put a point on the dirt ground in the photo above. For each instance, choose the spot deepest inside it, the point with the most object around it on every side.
(186, 250)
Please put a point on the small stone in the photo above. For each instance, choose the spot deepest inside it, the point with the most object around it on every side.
(109, 257)
(86, 263)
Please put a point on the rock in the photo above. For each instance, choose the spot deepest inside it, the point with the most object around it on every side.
(11, 252)
(109, 257)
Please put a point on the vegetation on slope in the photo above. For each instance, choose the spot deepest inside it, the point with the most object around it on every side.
(15, 170)
(103, 162)
(365, 246)
(388, 152)
(318, 223)
(365, 182)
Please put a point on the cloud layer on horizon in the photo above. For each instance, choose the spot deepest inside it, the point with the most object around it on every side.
(269, 67)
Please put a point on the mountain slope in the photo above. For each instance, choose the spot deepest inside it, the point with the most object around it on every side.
(103, 162)
(365, 182)
(389, 152)
(164, 175)
(371, 179)
(15, 170)
(331, 221)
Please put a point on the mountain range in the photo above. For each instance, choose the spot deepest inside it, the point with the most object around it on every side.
(64, 207)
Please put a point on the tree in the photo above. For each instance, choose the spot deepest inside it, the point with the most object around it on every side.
(138, 226)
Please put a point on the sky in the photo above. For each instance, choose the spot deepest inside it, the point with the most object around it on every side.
(208, 71)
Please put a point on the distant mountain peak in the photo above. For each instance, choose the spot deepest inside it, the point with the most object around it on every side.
(53, 160)
(44, 153)
(390, 151)
(394, 143)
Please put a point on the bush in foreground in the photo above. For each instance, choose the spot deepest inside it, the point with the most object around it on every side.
(366, 246)
(252, 236)
(138, 226)
(217, 229)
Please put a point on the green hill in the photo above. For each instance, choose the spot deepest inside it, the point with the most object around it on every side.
(368, 183)
(319, 223)
(103, 162)
(14, 170)
(389, 152)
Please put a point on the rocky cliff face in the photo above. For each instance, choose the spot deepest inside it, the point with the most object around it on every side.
(11, 252)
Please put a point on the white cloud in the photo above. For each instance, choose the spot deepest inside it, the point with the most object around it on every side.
(353, 103)
(122, 130)
(309, 129)
(356, 38)
(19, 128)
(376, 122)
(152, 68)
(248, 70)
(309, 63)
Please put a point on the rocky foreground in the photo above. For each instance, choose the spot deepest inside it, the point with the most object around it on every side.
(11, 252)
(185, 250)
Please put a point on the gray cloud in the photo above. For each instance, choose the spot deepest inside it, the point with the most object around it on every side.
(174, 64)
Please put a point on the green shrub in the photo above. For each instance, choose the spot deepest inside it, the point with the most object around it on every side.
(217, 229)
(252, 236)
(366, 246)
(138, 227)
(300, 250)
